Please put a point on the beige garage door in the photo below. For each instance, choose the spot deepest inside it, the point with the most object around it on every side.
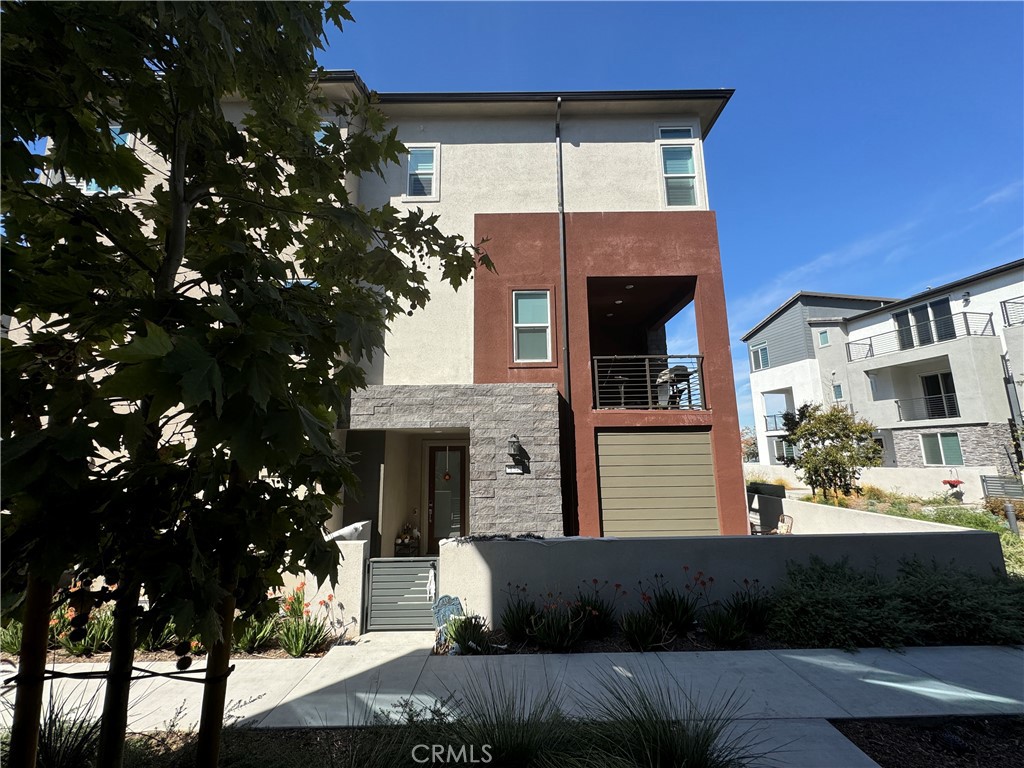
(657, 484)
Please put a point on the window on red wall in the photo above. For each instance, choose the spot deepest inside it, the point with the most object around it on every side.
(531, 326)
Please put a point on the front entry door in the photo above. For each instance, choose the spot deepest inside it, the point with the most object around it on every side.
(446, 501)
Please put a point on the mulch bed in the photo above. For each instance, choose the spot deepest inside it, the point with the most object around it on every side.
(946, 742)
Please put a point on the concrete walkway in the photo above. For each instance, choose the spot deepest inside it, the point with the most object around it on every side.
(785, 697)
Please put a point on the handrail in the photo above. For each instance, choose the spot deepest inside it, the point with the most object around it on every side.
(922, 334)
(931, 407)
(1013, 311)
(649, 382)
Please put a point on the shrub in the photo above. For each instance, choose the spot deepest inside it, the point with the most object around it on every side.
(966, 518)
(518, 615)
(470, 635)
(752, 605)
(874, 493)
(954, 607)
(822, 605)
(252, 634)
(303, 636)
(558, 625)
(644, 631)
(99, 632)
(158, 638)
(994, 506)
(10, 637)
(598, 610)
(641, 719)
(1013, 555)
(725, 628)
(674, 610)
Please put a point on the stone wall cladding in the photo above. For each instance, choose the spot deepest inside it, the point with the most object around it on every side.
(981, 445)
(498, 503)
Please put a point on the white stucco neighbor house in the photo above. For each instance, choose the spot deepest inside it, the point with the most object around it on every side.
(939, 373)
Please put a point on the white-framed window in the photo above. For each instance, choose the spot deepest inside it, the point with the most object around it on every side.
(942, 449)
(679, 157)
(759, 357)
(531, 326)
(423, 172)
(783, 450)
(837, 392)
(823, 339)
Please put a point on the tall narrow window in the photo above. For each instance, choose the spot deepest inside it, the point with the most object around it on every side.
(531, 321)
(823, 339)
(423, 168)
(680, 175)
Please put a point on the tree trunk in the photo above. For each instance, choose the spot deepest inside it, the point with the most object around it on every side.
(114, 722)
(211, 721)
(28, 701)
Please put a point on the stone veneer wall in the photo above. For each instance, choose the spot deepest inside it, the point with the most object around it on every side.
(498, 503)
(981, 444)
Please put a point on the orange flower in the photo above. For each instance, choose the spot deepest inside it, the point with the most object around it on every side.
(330, 598)
(305, 613)
(322, 603)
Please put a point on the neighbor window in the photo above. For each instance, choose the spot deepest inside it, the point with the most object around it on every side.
(671, 132)
(942, 449)
(531, 320)
(837, 391)
(759, 357)
(823, 338)
(423, 171)
(783, 450)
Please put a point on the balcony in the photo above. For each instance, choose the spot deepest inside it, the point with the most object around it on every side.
(649, 382)
(773, 423)
(935, 331)
(924, 408)
(1013, 311)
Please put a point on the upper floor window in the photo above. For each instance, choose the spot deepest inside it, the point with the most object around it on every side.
(531, 321)
(823, 339)
(678, 153)
(759, 357)
(837, 392)
(424, 167)
(924, 324)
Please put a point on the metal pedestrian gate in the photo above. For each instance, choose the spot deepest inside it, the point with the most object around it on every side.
(400, 593)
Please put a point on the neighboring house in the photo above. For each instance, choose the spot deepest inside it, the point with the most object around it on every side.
(940, 373)
(594, 208)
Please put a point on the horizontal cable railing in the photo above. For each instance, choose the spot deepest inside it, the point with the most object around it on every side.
(774, 423)
(1013, 311)
(933, 407)
(922, 334)
(649, 382)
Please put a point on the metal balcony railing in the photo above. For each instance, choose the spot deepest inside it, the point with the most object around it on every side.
(773, 423)
(923, 408)
(1013, 311)
(922, 334)
(649, 382)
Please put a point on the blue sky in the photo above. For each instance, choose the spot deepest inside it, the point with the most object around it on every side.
(870, 148)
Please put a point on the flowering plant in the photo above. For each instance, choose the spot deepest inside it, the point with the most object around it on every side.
(954, 483)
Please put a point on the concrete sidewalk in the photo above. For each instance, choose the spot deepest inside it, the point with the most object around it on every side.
(786, 696)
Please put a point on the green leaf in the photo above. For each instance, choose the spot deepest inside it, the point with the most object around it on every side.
(200, 375)
(154, 345)
(315, 430)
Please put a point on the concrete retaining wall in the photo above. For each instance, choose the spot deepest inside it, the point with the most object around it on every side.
(811, 518)
(924, 482)
(480, 572)
(345, 611)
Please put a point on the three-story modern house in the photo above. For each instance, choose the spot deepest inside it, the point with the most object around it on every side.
(939, 373)
(542, 398)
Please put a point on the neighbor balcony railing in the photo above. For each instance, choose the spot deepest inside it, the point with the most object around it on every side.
(1013, 311)
(922, 334)
(933, 407)
(649, 382)
(773, 423)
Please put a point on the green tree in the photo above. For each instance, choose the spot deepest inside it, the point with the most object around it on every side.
(189, 325)
(832, 446)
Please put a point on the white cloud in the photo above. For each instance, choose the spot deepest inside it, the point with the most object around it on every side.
(1001, 195)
